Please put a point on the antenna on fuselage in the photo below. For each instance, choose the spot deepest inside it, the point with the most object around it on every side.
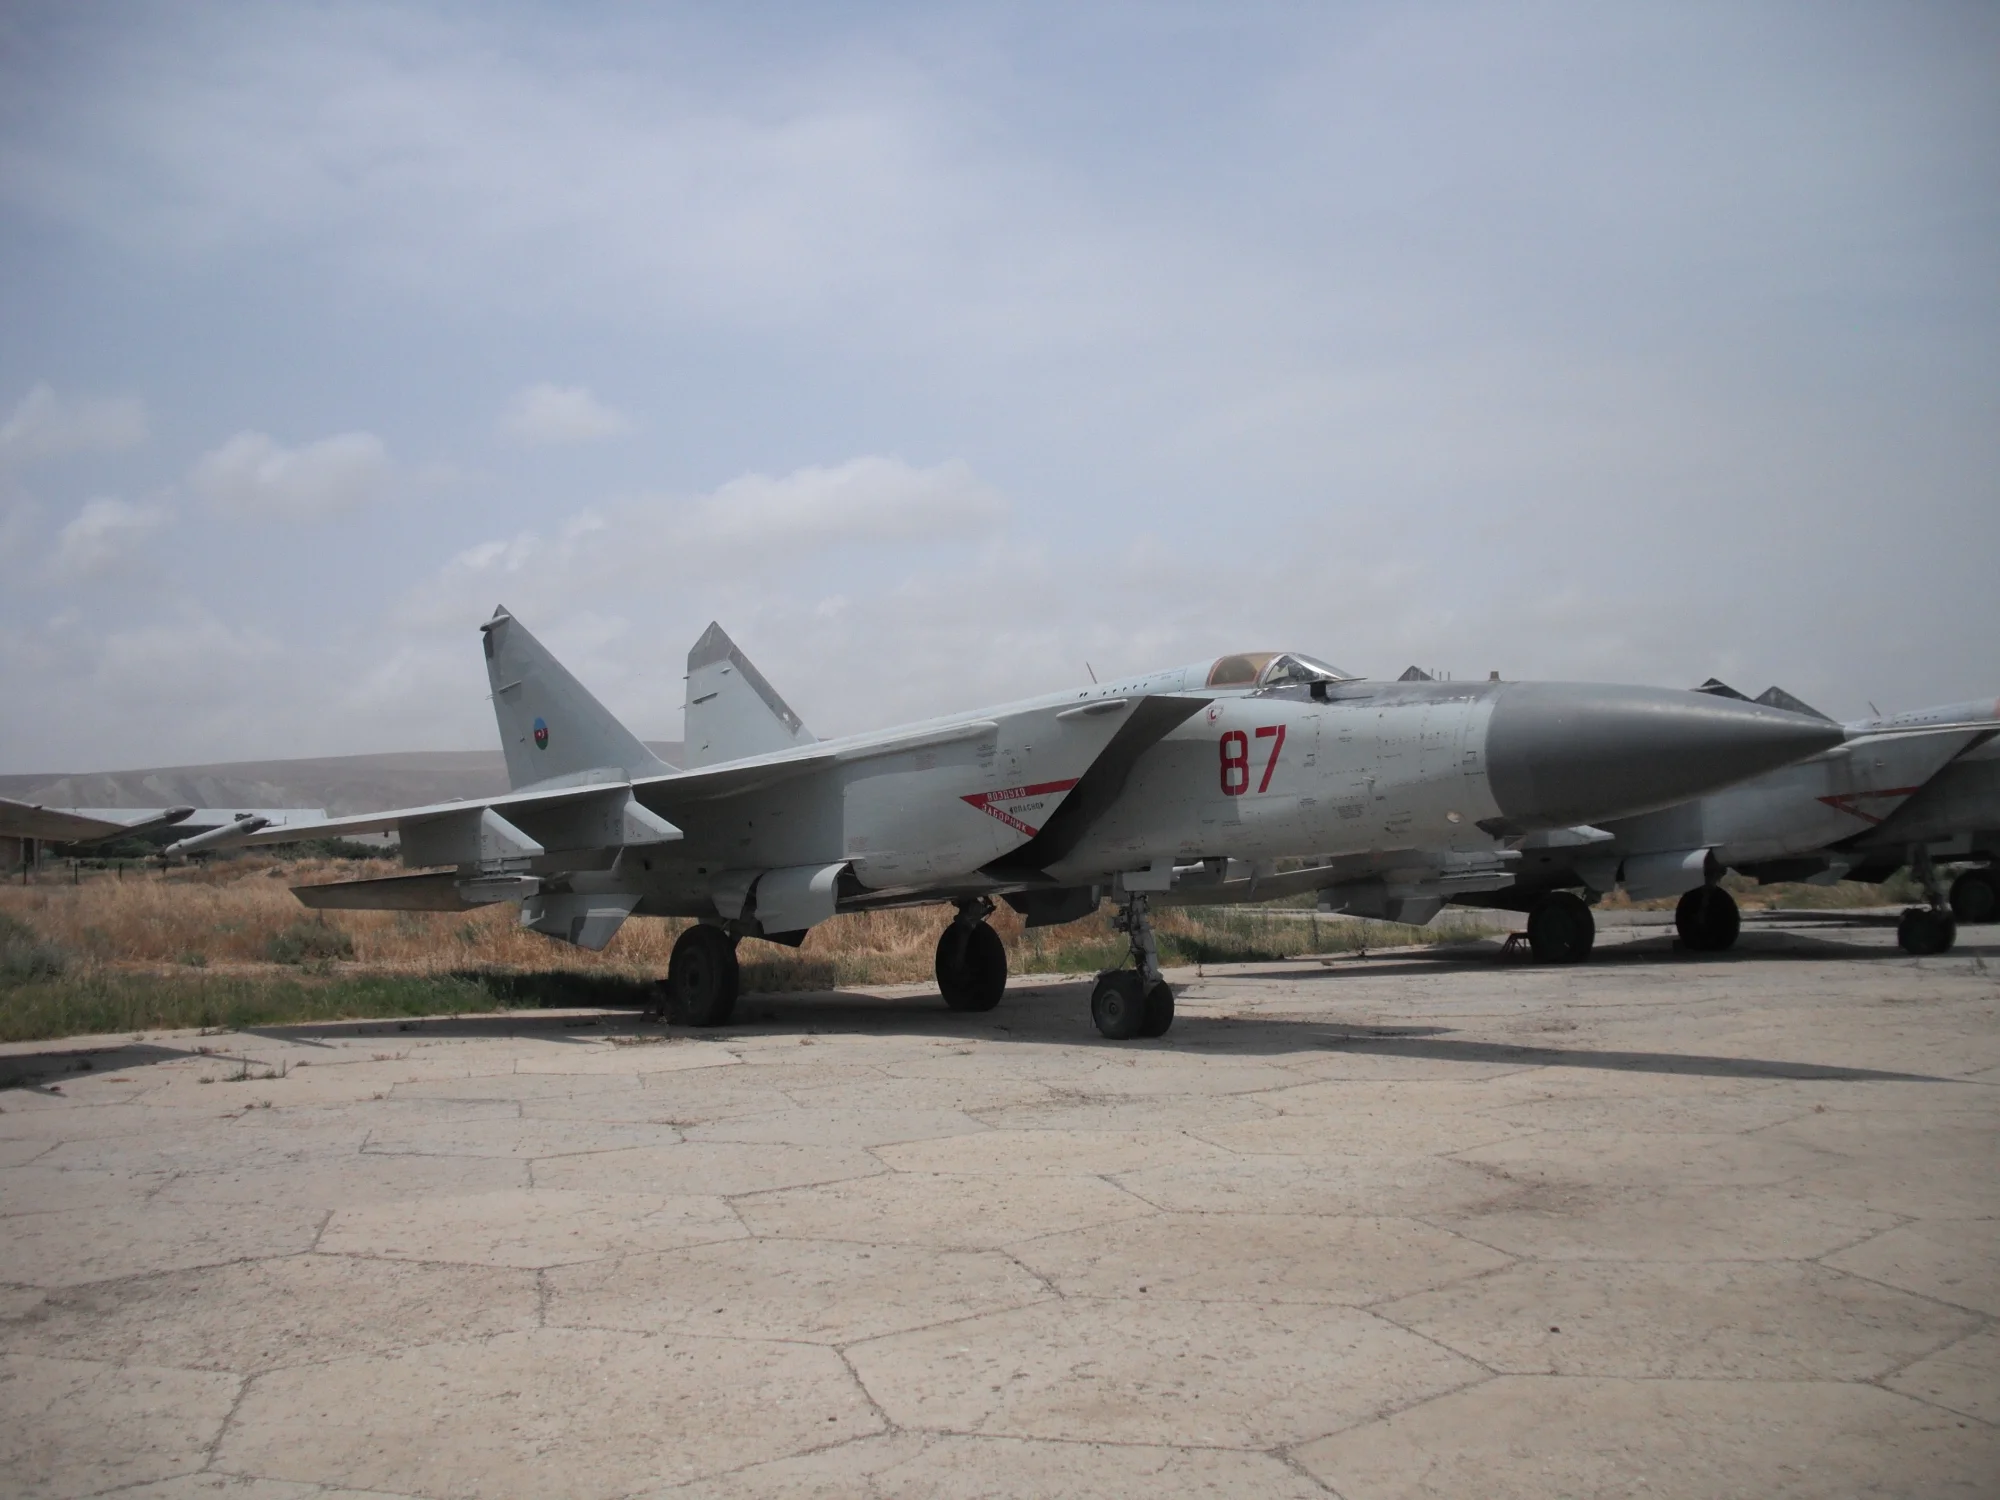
(1093, 675)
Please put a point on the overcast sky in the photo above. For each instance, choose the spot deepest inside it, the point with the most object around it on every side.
(938, 350)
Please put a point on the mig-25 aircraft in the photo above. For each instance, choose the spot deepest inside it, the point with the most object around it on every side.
(1050, 804)
(1905, 788)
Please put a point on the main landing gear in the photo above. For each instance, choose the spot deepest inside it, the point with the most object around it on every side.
(971, 960)
(702, 978)
(1708, 919)
(1561, 929)
(1975, 897)
(1133, 1002)
(1925, 930)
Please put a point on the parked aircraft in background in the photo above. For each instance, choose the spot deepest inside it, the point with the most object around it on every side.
(1049, 804)
(80, 828)
(1835, 816)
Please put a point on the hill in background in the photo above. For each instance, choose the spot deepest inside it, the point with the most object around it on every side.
(342, 784)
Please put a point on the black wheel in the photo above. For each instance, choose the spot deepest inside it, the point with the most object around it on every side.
(1975, 897)
(1561, 929)
(702, 978)
(1708, 919)
(1159, 1010)
(1924, 931)
(971, 966)
(1118, 1004)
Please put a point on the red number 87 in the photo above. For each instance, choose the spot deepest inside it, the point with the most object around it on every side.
(1236, 758)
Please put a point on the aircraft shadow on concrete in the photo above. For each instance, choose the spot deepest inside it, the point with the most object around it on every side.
(1058, 1012)
(1448, 1049)
(39, 1070)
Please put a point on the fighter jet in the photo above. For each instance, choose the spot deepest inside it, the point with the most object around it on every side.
(83, 827)
(1908, 788)
(1050, 804)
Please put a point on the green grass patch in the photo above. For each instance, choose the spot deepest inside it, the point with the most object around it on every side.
(90, 1004)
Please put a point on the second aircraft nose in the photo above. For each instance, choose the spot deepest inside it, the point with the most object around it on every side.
(1561, 753)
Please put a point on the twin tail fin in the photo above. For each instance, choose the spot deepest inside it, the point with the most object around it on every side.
(551, 729)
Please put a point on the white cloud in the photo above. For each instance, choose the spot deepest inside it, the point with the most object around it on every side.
(106, 534)
(865, 499)
(255, 475)
(45, 425)
(547, 413)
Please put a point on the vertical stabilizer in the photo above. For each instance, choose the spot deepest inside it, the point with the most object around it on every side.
(731, 710)
(551, 729)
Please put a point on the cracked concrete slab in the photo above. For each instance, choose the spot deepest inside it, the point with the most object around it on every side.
(580, 1413)
(258, 1315)
(1527, 1438)
(1963, 1377)
(718, 1168)
(1260, 1258)
(531, 1227)
(1953, 1260)
(917, 1466)
(1413, 1226)
(922, 1208)
(1051, 1152)
(77, 1427)
(346, 1182)
(1762, 1320)
(817, 1291)
(1137, 1371)
(126, 1239)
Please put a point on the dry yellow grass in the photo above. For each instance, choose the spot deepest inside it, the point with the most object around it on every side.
(233, 915)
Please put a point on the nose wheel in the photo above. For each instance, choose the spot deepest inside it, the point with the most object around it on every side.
(1932, 929)
(1134, 1002)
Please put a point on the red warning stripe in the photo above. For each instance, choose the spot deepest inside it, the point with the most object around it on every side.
(1844, 801)
(984, 801)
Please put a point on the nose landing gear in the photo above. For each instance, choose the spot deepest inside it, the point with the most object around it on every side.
(1135, 1002)
(1925, 930)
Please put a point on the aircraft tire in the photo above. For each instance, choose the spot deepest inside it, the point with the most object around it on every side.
(1924, 931)
(1561, 929)
(1159, 1010)
(1118, 1004)
(1708, 919)
(971, 967)
(702, 978)
(1975, 897)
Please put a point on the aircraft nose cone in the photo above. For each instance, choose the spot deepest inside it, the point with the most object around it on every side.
(1561, 753)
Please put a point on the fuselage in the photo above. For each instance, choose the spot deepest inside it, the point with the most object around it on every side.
(1045, 792)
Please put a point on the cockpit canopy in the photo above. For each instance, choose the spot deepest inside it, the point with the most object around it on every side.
(1272, 669)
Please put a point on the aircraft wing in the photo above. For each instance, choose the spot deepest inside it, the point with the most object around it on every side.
(26, 820)
(658, 796)
(394, 818)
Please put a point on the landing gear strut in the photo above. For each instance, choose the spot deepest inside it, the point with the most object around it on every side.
(702, 978)
(971, 960)
(1927, 929)
(1133, 1002)
(1708, 919)
(1561, 929)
